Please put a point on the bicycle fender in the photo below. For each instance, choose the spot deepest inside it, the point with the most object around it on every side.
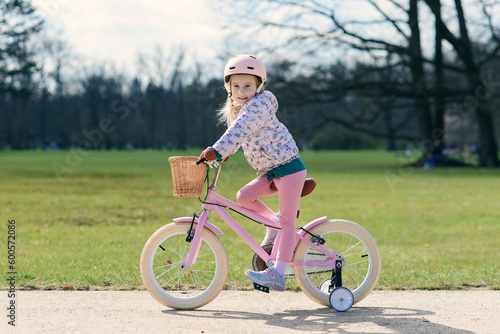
(209, 225)
(312, 224)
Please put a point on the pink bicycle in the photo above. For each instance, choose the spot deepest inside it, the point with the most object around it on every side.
(184, 265)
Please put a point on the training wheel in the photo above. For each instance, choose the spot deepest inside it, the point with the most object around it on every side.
(341, 299)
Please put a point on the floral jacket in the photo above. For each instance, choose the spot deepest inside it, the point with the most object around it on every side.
(265, 141)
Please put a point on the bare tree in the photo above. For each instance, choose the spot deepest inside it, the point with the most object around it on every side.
(465, 51)
(56, 58)
(392, 30)
(165, 92)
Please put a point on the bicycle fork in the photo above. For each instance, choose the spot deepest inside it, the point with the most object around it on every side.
(194, 237)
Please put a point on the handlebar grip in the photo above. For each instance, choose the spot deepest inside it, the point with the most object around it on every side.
(210, 155)
(201, 160)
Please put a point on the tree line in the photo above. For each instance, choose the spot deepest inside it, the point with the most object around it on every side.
(389, 91)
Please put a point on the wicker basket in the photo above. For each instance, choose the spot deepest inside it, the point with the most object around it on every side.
(187, 176)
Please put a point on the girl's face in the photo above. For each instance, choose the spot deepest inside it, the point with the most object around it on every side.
(243, 88)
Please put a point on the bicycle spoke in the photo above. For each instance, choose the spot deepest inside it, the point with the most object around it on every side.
(163, 266)
(166, 271)
(359, 252)
(356, 271)
(361, 277)
(362, 261)
(349, 248)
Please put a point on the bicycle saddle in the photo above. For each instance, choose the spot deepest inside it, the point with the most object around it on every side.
(309, 185)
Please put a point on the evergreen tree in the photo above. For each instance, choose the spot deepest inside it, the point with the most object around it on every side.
(19, 21)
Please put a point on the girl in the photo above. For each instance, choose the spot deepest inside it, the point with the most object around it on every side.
(250, 114)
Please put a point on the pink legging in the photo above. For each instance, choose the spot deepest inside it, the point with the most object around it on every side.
(289, 190)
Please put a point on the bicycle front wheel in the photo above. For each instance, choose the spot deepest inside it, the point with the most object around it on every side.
(355, 246)
(183, 288)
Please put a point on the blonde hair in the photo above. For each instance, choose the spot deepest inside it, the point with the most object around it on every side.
(227, 113)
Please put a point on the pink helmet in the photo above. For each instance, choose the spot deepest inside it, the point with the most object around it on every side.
(245, 64)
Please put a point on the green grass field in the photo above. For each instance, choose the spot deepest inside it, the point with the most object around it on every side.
(81, 221)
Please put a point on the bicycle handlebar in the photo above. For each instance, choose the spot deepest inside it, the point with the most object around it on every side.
(212, 164)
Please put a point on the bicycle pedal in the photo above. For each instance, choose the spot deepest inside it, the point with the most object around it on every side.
(261, 288)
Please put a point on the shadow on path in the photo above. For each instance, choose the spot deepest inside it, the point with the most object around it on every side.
(355, 320)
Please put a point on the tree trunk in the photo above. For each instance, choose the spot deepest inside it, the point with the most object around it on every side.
(488, 149)
(439, 105)
(419, 86)
(391, 136)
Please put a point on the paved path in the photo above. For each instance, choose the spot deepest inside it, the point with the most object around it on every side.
(475, 311)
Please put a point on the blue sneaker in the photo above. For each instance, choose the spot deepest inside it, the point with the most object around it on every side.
(268, 277)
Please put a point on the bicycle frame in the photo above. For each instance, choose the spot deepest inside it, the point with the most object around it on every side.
(218, 204)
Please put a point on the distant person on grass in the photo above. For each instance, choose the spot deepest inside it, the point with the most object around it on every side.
(436, 156)
(250, 114)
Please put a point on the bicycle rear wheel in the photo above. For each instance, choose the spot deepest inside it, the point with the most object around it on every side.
(177, 288)
(352, 243)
